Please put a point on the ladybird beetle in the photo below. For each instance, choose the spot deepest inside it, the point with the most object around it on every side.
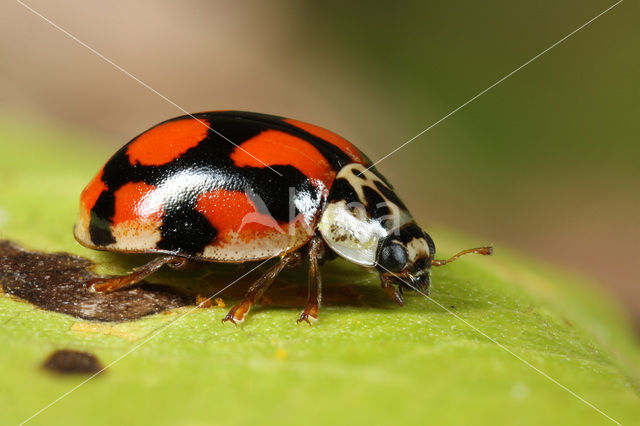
(230, 186)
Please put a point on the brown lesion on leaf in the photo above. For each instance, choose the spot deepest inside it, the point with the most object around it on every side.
(55, 282)
(67, 361)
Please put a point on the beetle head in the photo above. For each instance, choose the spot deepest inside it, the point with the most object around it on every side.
(404, 258)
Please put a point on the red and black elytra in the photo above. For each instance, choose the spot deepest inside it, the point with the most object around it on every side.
(231, 186)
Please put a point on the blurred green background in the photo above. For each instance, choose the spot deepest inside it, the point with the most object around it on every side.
(546, 162)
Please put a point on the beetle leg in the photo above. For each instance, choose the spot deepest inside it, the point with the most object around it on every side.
(310, 313)
(107, 285)
(238, 312)
(393, 293)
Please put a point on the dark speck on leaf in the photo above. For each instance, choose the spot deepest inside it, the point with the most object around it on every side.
(66, 361)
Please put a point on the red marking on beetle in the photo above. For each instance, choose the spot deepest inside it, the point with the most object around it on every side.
(166, 142)
(232, 211)
(273, 147)
(334, 139)
(92, 191)
(134, 202)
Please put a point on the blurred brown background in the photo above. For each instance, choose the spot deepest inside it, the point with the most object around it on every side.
(547, 162)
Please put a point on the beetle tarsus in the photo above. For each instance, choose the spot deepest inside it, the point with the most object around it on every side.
(309, 315)
(237, 314)
(231, 319)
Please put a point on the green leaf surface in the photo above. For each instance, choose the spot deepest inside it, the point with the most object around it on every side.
(512, 332)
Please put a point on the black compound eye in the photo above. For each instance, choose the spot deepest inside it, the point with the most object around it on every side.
(393, 257)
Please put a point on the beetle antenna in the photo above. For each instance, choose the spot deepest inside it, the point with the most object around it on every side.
(487, 250)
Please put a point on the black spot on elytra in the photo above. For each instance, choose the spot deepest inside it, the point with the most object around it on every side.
(56, 282)
(66, 361)
(99, 229)
(185, 230)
